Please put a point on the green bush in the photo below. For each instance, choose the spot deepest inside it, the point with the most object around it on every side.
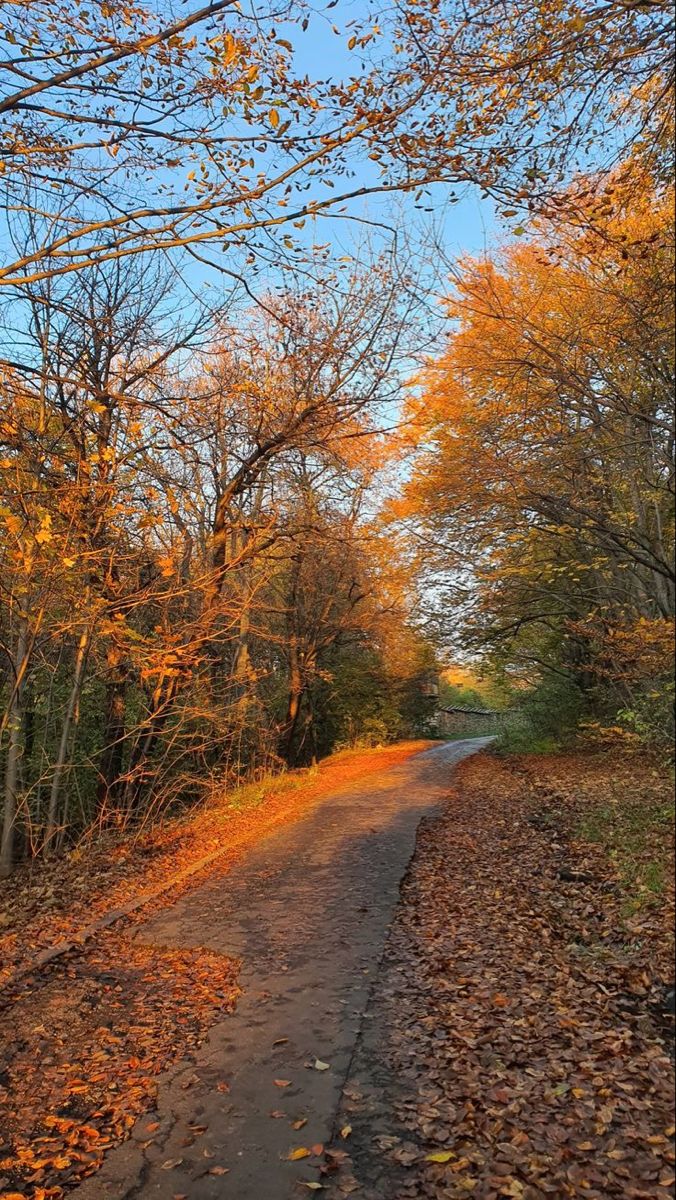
(651, 718)
(546, 718)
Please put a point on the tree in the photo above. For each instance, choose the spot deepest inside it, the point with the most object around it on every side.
(163, 481)
(164, 130)
(548, 472)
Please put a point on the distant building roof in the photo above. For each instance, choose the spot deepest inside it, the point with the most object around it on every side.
(475, 712)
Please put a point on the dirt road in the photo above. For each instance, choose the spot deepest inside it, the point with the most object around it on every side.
(308, 914)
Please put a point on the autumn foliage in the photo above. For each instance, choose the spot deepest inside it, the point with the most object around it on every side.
(258, 486)
(186, 555)
(197, 380)
(546, 470)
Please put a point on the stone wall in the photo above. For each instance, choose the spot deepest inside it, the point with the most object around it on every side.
(471, 724)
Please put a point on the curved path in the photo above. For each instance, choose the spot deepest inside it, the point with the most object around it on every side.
(308, 913)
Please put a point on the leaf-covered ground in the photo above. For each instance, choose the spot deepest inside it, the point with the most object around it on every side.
(84, 1039)
(518, 1043)
(89, 1044)
(519, 1035)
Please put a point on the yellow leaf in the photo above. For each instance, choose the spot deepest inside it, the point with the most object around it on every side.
(273, 117)
(441, 1156)
(229, 49)
(299, 1152)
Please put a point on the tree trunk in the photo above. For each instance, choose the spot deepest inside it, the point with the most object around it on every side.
(53, 811)
(113, 735)
(163, 698)
(294, 702)
(14, 750)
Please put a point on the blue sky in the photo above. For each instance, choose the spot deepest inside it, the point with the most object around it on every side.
(320, 52)
(467, 226)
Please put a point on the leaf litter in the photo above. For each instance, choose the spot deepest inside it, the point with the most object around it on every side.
(84, 1049)
(516, 1050)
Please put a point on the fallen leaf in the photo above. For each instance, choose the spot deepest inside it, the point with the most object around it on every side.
(171, 1163)
(347, 1184)
(405, 1155)
(338, 1156)
(440, 1156)
(282, 1083)
(321, 1066)
(300, 1152)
